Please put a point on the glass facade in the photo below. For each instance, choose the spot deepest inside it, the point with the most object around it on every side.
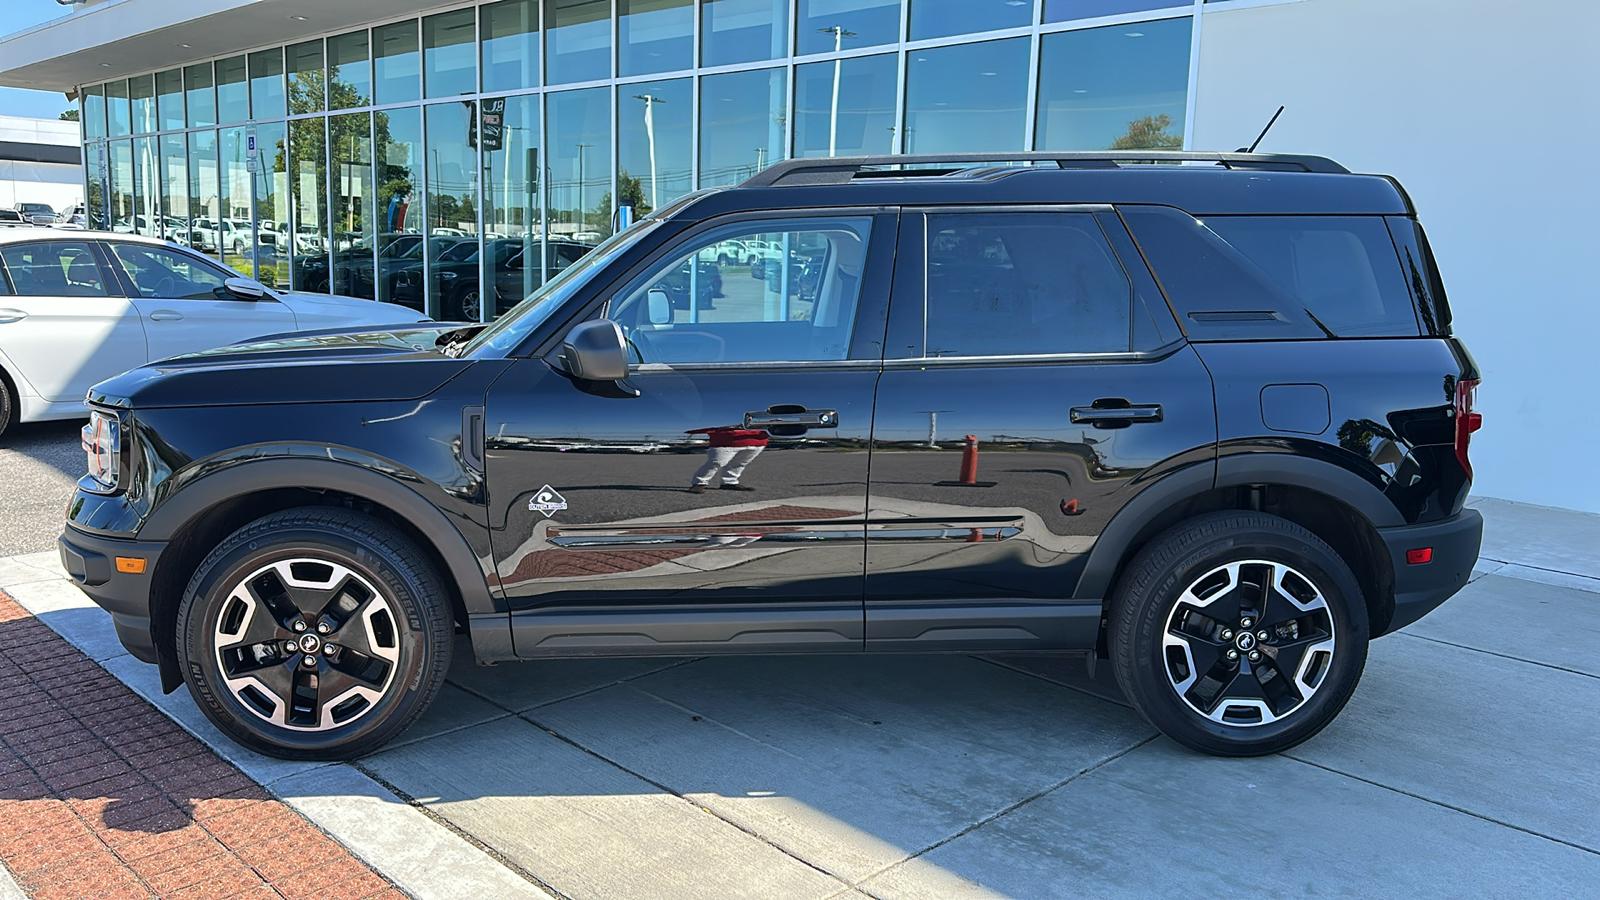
(455, 161)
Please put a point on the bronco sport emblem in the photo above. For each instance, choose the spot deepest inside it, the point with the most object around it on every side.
(547, 501)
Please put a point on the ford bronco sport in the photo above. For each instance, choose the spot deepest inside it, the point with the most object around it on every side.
(1202, 415)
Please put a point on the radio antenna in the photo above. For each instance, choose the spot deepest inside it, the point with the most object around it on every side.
(1274, 120)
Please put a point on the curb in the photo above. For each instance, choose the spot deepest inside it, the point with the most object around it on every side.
(417, 854)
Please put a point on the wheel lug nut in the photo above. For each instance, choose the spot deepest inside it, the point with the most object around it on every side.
(1261, 635)
(299, 626)
(1255, 655)
(1245, 623)
(330, 649)
(310, 661)
(1227, 634)
(322, 628)
(290, 647)
(1233, 654)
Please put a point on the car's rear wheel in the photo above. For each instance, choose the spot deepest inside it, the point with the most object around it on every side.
(314, 633)
(1238, 633)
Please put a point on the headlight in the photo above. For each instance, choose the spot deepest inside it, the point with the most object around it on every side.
(102, 444)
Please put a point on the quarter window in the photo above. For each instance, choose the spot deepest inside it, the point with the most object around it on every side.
(53, 269)
(770, 292)
(1004, 284)
(166, 274)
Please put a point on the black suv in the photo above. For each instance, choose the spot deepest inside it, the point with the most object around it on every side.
(1199, 414)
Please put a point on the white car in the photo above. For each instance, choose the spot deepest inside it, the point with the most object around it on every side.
(77, 308)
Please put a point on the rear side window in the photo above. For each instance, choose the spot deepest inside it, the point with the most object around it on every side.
(1277, 277)
(53, 269)
(1024, 283)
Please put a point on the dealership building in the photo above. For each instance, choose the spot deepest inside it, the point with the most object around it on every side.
(312, 138)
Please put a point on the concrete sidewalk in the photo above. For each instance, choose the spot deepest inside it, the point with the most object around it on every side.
(1465, 765)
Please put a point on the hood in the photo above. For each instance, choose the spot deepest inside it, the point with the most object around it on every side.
(358, 365)
(332, 310)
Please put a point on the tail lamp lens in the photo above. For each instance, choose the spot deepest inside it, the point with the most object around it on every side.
(1467, 421)
(102, 445)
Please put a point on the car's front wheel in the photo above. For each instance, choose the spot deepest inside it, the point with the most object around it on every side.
(8, 405)
(1238, 633)
(314, 633)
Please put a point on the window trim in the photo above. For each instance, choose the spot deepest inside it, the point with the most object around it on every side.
(918, 279)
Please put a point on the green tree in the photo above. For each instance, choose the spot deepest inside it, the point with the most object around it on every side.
(631, 190)
(1149, 133)
(70, 115)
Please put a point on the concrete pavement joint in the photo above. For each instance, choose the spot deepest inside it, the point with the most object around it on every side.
(1046, 678)
(672, 793)
(1440, 803)
(487, 850)
(860, 884)
(1531, 662)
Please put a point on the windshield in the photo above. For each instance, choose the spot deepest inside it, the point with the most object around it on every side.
(505, 334)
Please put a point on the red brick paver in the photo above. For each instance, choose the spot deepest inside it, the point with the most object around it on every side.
(102, 796)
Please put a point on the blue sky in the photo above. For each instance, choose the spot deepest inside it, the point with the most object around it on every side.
(20, 15)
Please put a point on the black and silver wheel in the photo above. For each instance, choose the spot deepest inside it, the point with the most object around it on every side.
(1238, 633)
(314, 634)
(468, 305)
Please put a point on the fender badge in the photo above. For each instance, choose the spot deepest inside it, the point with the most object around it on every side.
(547, 501)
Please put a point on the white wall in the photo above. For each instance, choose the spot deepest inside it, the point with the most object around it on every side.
(1486, 112)
(59, 185)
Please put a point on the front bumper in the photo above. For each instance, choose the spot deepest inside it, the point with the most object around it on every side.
(1419, 589)
(91, 561)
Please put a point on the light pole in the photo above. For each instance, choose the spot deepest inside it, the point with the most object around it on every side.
(838, 32)
(650, 101)
(582, 152)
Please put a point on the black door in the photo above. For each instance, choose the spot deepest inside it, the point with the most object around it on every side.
(723, 507)
(1029, 393)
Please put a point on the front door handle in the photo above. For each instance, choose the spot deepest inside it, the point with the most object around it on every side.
(11, 315)
(1114, 412)
(165, 315)
(792, 417)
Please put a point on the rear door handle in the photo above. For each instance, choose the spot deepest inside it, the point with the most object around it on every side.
(1116, 412)
(11, 315)
(166, 315)
(792, 416)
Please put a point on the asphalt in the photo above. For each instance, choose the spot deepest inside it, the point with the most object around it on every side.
(1463, 765)
(40, 462)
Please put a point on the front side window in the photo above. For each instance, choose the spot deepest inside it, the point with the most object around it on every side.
(159, 272)
(1008, 284)
(53, 269)
(774, 291)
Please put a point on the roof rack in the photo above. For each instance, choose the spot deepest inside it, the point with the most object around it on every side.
(842, 169)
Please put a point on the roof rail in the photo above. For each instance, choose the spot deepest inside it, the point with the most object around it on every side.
(841, 169)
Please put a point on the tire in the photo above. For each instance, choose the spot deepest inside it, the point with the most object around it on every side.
(1183, 604)
(10, 409)
(753, 259)
(467, 305)
(722, 260)
(387, 617)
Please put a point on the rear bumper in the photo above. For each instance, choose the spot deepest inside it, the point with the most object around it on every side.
(1419, 589)
(90, 560)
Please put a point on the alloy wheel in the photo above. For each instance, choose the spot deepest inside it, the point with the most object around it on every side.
(307, 644)
(1248, 643)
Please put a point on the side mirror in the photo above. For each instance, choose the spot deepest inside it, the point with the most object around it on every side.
(660, 307)
(245, 289)
(595, 351)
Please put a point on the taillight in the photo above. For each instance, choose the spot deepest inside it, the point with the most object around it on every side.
(1467, 421)
(102, 444)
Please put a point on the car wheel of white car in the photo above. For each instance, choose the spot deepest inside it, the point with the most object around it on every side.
(8, 404)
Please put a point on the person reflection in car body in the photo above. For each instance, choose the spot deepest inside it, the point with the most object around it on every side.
(732, 449)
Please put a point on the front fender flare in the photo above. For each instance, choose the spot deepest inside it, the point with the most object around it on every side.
(255, 476)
